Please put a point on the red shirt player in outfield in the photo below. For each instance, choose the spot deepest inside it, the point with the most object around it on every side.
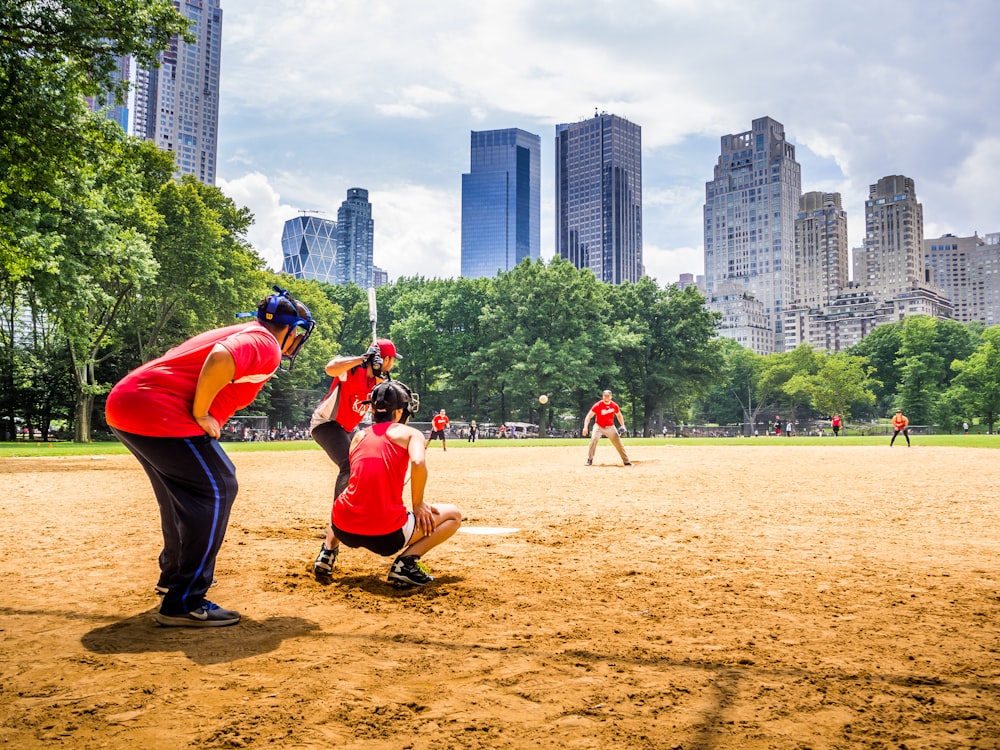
(604, 413)
(370, 513)
(169, 414)
(900, 424)
(335, 421)
(439, 424)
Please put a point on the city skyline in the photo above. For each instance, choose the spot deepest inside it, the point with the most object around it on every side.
(864, 92)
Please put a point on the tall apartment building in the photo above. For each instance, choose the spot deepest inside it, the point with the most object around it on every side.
(892, 257)
(821, 249)
(177, 104)
(309, 248)
(967, 270)
(750, 209)
(501, 202)
(890, 280)
(355, 239)
(599, 197)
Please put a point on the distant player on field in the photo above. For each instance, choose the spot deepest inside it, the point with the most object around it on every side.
(900, 424)
(604, 413)
(439, 424)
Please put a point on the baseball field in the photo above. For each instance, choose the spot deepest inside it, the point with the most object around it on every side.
(707, 597)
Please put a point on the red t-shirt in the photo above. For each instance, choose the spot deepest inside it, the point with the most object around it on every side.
(355, 387)
(604, 414)
(155, 399)
(440, 421)
(372, 504)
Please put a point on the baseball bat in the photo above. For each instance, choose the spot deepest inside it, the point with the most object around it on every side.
(372, 311)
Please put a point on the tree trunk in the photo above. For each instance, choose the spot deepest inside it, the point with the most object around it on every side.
(84, 413)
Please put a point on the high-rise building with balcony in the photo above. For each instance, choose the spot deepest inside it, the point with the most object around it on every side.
(599, 197)
(177, 104)
(355, 239)
(309, 248)
(501, 202)
(750, 209)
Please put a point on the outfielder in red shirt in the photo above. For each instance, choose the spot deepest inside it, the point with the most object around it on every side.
(169, 413)
(335, 421)
(439, 424)
(370, 513)
(604, 413)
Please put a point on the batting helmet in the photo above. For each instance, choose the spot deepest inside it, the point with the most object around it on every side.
(391, 395)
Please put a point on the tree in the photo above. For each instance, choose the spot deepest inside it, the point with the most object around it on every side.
(205, 266)
(544, 332)
(976, 385)
(841, 381)
(52, 54)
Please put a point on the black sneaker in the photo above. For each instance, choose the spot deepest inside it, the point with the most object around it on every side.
(408, 571)
(325, 560)
(627, 463)
(590, 461)
(208, 615)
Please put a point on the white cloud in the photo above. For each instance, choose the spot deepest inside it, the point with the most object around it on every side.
(319, 96)
(255, 192)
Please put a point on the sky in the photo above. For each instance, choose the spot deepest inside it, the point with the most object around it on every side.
(319, 96)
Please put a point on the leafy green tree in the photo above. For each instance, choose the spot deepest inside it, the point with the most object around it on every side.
(52, 54)
(922, 369)
(666, 345)
(881, 349)
(205, 265)
(99, 255)
(841, 381)
(545, 332)
(976, 385)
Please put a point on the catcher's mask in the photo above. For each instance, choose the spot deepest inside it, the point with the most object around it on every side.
(391, 395)
(284, 310)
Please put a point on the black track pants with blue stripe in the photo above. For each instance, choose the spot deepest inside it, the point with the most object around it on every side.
(195, 486)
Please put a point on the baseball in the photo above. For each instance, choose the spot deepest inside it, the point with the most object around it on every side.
(543, 399)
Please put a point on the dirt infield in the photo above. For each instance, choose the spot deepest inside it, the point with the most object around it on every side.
(707, 597)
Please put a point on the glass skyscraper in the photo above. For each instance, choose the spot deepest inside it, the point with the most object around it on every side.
(355, 239)
(599, 197)
(750, 209)
(501, 202)
(309, 248)
(177, 104)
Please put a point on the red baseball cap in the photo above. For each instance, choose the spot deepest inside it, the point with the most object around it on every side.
(387, 348)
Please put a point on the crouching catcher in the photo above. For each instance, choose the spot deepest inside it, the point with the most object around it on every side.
(370, 513)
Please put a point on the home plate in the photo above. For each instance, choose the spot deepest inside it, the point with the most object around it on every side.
(487, 530)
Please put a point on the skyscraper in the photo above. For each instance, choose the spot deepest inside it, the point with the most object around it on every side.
(177, 104)
(750, 209)
(967, 270)
(309, 248)
(501, 202)
(821, 250)
(892, 259)
(599, 197)
(355, 239)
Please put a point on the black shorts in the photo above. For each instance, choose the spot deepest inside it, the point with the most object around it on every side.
(435, 434)
(384, 545)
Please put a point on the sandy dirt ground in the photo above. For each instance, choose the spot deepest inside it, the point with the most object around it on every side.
(707, 597)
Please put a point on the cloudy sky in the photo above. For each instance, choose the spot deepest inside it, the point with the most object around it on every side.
(319, 96)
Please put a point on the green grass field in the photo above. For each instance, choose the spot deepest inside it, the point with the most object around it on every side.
(23, 449)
